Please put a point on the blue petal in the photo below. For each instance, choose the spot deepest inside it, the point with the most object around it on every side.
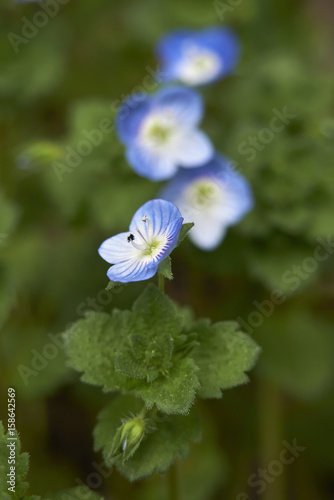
(220, 170)
(169, 52)
(130, 116)
(193, 149)
(133, 270)
(116, 249)
(223, 42)
(208, 234)
(236, 184)
(149, 164)
(186, 104)
(172, 233)
(165, 217)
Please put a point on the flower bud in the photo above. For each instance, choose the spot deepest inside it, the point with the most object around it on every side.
(128, 437)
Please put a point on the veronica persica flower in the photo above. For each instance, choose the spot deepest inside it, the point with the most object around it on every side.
(214, 196)
(160, 133)
(153, 234)
(198, 57)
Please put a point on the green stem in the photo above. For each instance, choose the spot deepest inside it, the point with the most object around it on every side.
(142, 413)
(271, 421)
(173, 481)
(161, 282)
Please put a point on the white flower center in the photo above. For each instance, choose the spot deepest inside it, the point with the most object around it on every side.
(149, 246)
(203, 194)
(198, 65)
(158, 129)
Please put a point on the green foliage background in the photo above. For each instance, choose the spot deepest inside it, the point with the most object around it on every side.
(68, 78)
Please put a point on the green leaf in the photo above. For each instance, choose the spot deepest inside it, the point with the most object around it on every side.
(145, 358)
(21, 465)
(205, 471)
(91, 345)
(223, 357)
(176, 392)
(184, 231)
(154, 314)
(149, 336)
(125, 351)
(156, 319)
(114, 285)
(165, 268)
(158, 449)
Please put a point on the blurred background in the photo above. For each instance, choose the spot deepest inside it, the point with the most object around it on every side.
(274, 271)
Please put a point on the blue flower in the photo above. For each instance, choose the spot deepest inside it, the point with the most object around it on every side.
(214, 197)
(154, 233)
(160, 132)
(198, 57)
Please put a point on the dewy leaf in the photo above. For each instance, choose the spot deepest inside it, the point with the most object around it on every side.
(165, 268)
(223, 356)
(170, 439)
(134, 352)
(184, 231)
(21, 465)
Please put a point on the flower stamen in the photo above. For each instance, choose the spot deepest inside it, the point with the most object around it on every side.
(141, 235)
(131, 238)
(149, 226)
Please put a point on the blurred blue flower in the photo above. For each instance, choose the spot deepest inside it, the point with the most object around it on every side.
(154, 233)
(214, 197)
(198, 57)
(161, 134)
